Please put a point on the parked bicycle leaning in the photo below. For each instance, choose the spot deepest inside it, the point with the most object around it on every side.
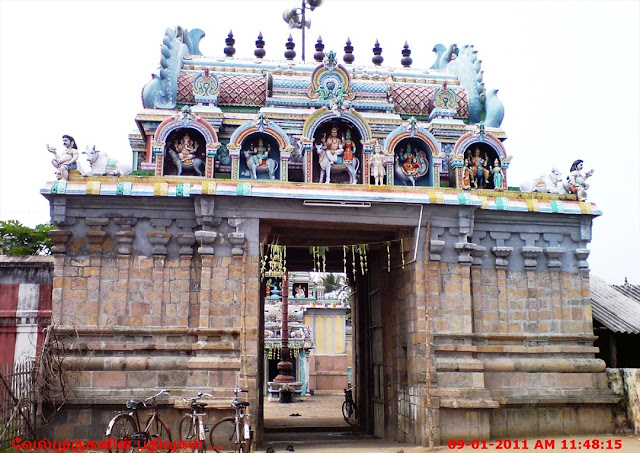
(129, 434)
(349, 408)
(193, 426)
(233, 433)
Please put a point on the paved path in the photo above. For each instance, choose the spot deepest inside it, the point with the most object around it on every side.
(324, 411)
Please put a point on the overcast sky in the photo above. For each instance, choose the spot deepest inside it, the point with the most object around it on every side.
(568, 75)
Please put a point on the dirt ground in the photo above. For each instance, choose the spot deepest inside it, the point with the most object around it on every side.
(306, 432)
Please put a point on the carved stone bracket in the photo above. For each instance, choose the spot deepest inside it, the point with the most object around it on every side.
(501, 253)
(185, 241)
(59, 239)
(206, 240)
(531, 255)
(237, 237)
(554, 256)
(124, 237)
(464, 250)
(582, 255)
(159, 240)
(435, 249)
(477, 255)
(436, 245)
(205, 209)
(95, 236)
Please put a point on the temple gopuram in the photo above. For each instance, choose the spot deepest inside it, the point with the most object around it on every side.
(470, 301)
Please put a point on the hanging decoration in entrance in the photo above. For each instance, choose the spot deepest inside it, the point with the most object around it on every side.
(319, 253)
(276, 257)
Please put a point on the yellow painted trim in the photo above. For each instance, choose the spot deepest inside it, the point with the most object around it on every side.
(161, 189)
(533, 205)
(93, 188)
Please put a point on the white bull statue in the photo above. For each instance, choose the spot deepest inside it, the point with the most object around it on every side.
(548, 183)
(101, 164)
(329, 164)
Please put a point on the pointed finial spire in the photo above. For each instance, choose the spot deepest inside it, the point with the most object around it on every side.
(319, 55)
(348, 53)
(260, 52)
(406, 59)
(377, 54)
(230, 50)
(290, 54)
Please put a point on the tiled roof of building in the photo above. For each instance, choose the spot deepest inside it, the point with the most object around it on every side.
(617, 307)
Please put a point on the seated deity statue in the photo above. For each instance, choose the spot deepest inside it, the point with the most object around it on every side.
(334, 146)
(66, 160)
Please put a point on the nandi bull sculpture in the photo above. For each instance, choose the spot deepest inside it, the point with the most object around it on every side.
(101, 164)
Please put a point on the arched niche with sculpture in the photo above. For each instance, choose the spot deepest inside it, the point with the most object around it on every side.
(259, 157)
(184, 153)
(336, 147)
(184, 145)
(251, 159)
(479, 161)
(337, 153)
(417, 156)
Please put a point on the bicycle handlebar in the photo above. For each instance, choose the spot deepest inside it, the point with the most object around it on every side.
(194, 398)
(161, 392)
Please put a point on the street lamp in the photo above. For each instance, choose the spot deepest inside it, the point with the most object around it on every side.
(295, 17)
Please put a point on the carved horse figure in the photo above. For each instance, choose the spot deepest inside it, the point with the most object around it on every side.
(101, 164)
(271, 165)
(329, 163)
(549, 183)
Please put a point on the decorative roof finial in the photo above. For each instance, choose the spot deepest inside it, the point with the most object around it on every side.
(319, 55)
(348, 53)
(290, 54)
(229, 51)
(406, 59)
(377, 54)
(260, 52)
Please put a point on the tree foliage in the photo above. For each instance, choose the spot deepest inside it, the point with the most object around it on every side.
(333, 281)
(17, 239)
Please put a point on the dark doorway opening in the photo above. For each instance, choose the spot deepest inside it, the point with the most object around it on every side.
(372, 368)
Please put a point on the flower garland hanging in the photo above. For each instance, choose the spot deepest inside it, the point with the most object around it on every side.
(276, 257)
(319, 253)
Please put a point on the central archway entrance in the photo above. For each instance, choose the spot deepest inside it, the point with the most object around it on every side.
(377, 352)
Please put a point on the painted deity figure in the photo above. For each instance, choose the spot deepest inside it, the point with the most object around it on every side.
(260, 153)
(576, 181)
(183, 155)
(300, 292)
(66, 160)
(409, 161)
(333, 146)
(378, 170)
(479, 174)
(498, 175)
(349, 148)
(466, 175)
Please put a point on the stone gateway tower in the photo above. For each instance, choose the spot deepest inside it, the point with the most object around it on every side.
(471, 310)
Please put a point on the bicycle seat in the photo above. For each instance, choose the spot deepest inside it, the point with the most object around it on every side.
(240, 404)
(198, 406)
(133, 404)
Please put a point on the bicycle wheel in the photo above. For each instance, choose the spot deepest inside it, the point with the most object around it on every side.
(159, 432)
(122, 429)
(349, 413)
(222, 435)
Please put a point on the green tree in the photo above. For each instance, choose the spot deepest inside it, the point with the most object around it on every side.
(332, 282)
(17, 239)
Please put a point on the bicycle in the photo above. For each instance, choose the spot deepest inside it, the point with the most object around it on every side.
(193, 428)
(127, 431)
(349, 408)
(233, 433)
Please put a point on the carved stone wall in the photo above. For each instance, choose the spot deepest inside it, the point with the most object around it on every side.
(488, 330)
